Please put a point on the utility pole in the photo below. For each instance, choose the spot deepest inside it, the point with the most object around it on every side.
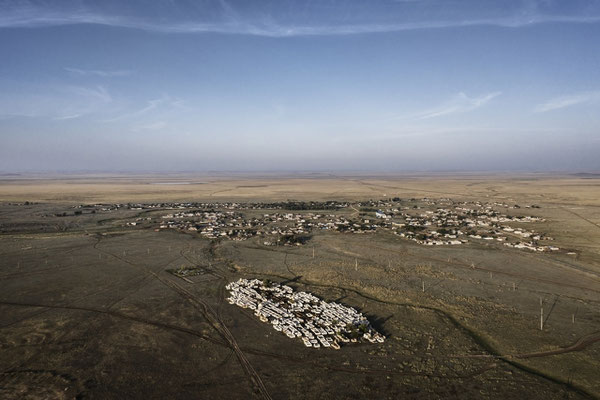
(423, 285)
(541, 314)
(542, 319)
(313, 251)
(356, 264)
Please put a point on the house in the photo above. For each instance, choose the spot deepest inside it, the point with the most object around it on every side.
(381, 214)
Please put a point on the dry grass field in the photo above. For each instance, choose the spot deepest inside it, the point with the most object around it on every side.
(555, 190)
(89, 310)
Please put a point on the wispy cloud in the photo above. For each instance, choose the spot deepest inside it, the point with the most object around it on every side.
(98, 93)
(98, 72)
(458, 104)
(62, 102)
(280, 30)
(66, 117)
(272, 18)
(568, 101)
(151, 105)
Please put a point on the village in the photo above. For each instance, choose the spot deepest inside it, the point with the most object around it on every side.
(428, 222)
(302, 315)
(464, 222)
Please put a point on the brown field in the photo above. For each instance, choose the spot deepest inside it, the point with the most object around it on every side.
(88, 310)
(559, 190)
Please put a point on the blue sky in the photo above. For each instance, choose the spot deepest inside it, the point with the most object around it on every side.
(287, 85)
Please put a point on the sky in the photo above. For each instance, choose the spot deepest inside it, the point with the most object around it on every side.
(356, 85)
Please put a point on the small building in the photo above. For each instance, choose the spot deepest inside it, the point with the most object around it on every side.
(381, 214)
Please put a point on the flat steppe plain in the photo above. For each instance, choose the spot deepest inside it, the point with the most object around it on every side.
(89, 310)
(563, 189)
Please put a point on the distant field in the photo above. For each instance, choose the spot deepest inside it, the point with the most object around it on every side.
(147, 188)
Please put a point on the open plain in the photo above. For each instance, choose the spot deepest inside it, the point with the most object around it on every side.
(92, 306)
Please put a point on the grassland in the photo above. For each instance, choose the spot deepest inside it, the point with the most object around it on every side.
(88, 308)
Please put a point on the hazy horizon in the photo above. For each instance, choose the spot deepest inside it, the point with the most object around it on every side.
(398, 86)
(334, 173)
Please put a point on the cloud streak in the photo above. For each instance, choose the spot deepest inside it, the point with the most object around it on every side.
(151, 105)
(98, 72)
(558, 103)
(67, 117)
(97, 93)
(224, 18)
(460, 103)
(53, 102)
